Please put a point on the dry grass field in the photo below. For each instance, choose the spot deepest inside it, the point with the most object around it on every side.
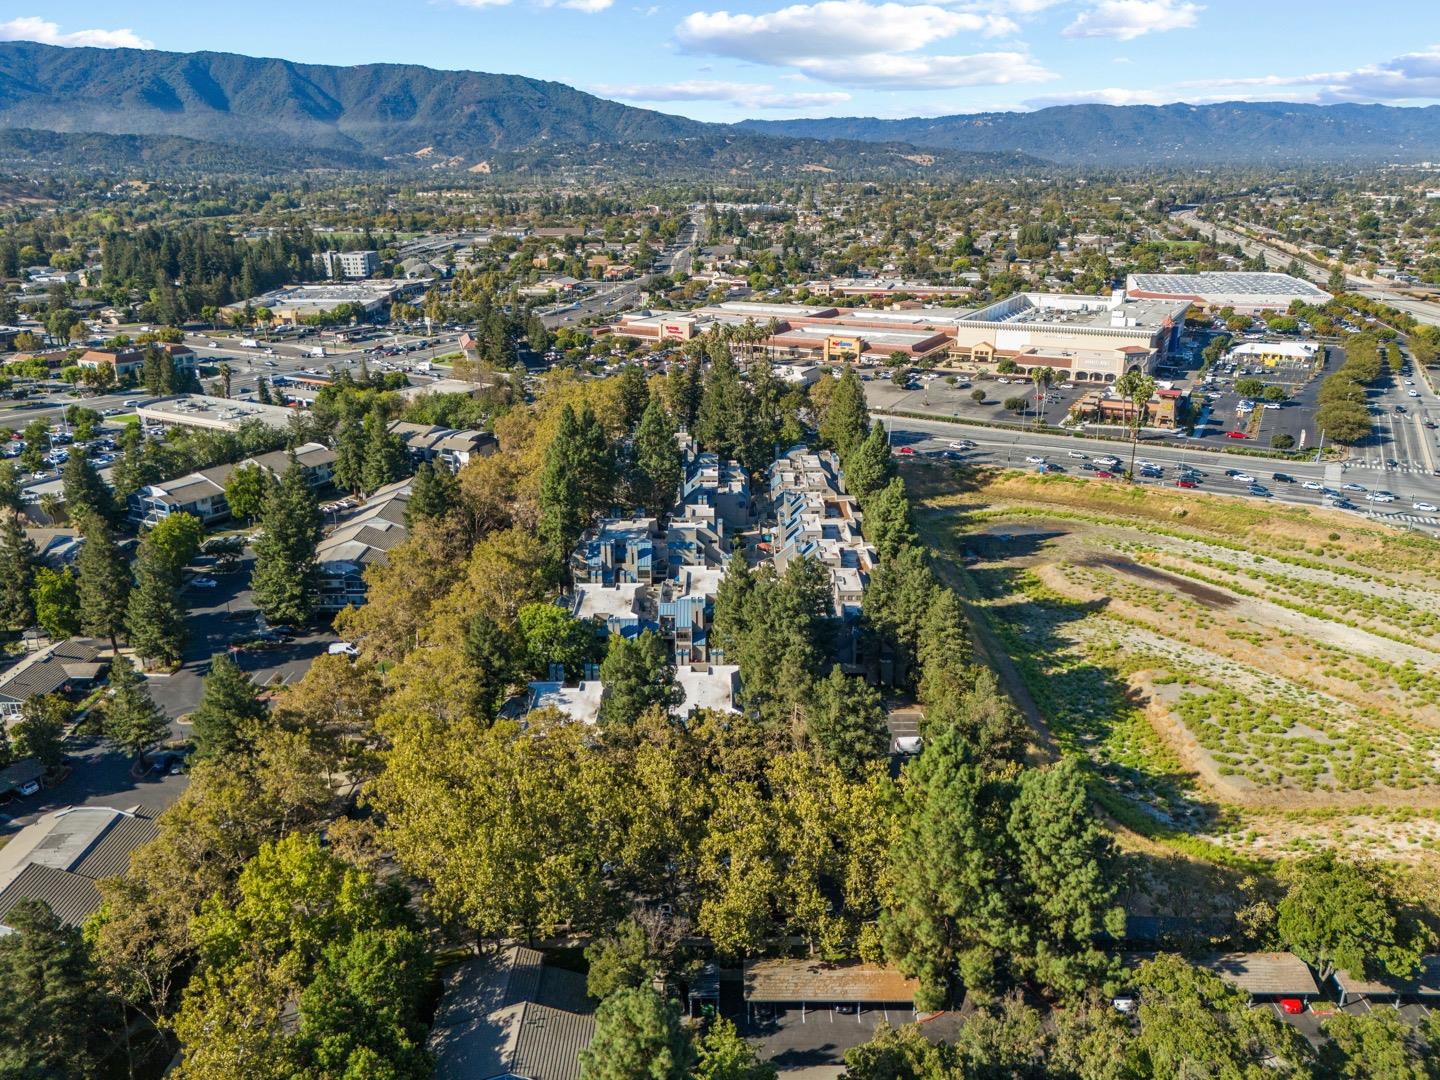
(1249, 680)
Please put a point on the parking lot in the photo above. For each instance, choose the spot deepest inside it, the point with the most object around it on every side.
(937, 396)
(817, 1038)
(218, 617)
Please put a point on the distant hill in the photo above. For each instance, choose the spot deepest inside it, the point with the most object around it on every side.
(313, 115)
(371, 109)
(1235, 132)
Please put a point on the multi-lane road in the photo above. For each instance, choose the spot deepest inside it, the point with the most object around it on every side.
(998, 447)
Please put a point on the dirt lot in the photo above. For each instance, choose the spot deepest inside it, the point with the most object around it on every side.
(1258, 678)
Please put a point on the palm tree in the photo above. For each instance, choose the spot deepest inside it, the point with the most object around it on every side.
(1044, 378)
(1136, 387)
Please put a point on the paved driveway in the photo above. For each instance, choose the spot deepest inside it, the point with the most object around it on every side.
(218, 617)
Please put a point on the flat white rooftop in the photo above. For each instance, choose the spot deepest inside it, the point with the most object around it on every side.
(1221, 284)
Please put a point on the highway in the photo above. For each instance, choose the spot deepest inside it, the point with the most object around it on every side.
(676, 259)
(1278, 257)
(996, 447)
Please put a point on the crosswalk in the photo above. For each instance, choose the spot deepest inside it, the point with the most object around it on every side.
(1412, 519)
(1404, 466)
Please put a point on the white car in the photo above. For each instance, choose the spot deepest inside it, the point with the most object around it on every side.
(962, 444)
(1311, 485)
(1413, 393)
(1004, 380)
(1429, 508)
(1034, 459)
(1243, 478)
(132, 404)
(342, 648)
(1143, 464)
(203, 582)
(1076, 454)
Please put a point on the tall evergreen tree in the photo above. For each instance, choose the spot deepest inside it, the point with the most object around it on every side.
(17, 574)
(386, 459)
(154, 615)
(85, 491)
(887, 520)
(901, 591)
(732, 605)
(563, 514)
(637, 675)
(284, 577)
(230, 713)
(494, 654)
(946, 873)
(1067, 878)
(721, 425)
(434, 494)
(349, 468)
(685, 386)
(655, 477)
(576, 481)
(845, 722)
(634, 394)
(869, 466)
(847, 421)
(104, 580)
(637, 1035)
(133, 721)
(51, 1003)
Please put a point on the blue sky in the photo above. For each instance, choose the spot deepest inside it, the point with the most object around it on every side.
(729, 59)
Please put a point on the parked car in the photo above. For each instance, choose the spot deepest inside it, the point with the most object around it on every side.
(203, 582)
(1236, 435)
(1292, 1006)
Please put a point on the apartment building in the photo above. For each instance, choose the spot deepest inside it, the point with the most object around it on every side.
(816, 518)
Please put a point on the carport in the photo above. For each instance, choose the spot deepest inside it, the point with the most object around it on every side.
(1423, 987)
(819, 984)
(1266, 976)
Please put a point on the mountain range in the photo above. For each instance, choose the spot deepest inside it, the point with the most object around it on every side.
(57, 103)
(1233, 132)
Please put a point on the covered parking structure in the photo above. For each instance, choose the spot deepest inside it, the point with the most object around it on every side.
(819, 984)
(1266, 976)
(1421, 988)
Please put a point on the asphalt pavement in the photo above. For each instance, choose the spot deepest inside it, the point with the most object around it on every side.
(1010, 448)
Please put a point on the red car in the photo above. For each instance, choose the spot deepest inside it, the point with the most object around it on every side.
(1103, 475)
(1186, 483)
(906, 450)
(1236, 435)
(1293, 1006)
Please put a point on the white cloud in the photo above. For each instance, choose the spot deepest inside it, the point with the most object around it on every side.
(1112, 95)
(831, 28)
(861, 43)
(1130, 19)
(33, 28)
(589, 7)
(882, 71)
(752, 95)
(1411, 77)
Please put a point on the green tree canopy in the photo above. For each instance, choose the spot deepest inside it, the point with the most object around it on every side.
(638, 1036)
